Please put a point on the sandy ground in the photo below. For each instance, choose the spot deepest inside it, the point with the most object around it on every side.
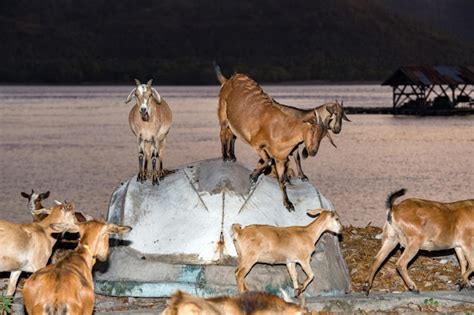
(81, 149)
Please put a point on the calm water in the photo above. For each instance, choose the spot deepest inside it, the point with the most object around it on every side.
(296, 95)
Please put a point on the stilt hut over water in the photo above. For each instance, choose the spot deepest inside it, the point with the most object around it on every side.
(423, 88)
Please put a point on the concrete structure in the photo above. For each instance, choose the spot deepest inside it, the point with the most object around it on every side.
(181, 237)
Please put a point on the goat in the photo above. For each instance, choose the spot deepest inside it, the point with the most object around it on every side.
(67, 286)
(150, 120)
(34, 203)
(35, 206)
(246, 111)
(248, 303)
(27, 247)
(282, 245)
(428, 225)
(331, 115)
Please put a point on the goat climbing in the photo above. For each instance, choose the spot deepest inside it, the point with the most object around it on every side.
(246, 111)
(150, 120)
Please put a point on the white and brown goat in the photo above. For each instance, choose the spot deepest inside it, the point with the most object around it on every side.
(36, 207)
(246, 111)
(418, 224)
(248, 303)
(282, 245)
(67, 287)
(150, 120)
(27, 247)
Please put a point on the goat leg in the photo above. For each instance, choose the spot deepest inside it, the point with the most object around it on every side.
(402, 265)
(140, 168)
(281, 167)
(294, 276)
(301, 175)
(259, 170)
(232, 148)
(154, 175)
(14, 275)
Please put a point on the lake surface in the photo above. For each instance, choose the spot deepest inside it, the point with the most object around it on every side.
(295, 95)
(76, 142)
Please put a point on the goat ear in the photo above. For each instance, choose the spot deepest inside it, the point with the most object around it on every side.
(41, 211)
(119, 229)
(149, 82)
(44, 195)
(129, 97)
(314, 213)
(25, 195)
(156, 95)
(137, 82)
(64, 227)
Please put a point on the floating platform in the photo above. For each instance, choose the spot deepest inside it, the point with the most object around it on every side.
(181, 237)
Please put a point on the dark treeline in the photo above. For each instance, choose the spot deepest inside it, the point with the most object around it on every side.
(175, 41)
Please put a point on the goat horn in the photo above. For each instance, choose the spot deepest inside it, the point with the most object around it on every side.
(137, 82)
(286, 297)
(149, 82)
(129, 97)
(345, 117)
(317, 117)
(156, 95)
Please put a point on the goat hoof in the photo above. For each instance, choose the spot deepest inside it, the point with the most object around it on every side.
(366, 289)
(290, 207)
(415, 290)
(297, 292)
(304, 178)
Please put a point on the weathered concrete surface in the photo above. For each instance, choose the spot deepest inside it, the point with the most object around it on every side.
(181, 237)
(446, 302)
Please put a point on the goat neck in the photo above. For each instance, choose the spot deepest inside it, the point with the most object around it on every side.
(317, 227)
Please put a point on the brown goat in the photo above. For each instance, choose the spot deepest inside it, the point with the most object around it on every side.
(282, 245)
(249, 303)
(67, 287)
(246, 111)
(150, 120)
(427, 225)
(27, 247)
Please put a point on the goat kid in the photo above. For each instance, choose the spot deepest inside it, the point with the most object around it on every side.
(282, 245)
(27, 247)
(67, 286)
(427, 225)
(248, 303)
(150, 120)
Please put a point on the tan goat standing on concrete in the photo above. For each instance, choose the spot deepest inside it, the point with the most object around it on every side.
(27, 247)
(427, 225)
(282, 245)
(150, 120)
(67, 286)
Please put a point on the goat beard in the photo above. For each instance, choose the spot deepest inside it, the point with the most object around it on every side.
(145, 117)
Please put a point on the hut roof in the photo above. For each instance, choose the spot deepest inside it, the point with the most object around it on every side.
(426, 76)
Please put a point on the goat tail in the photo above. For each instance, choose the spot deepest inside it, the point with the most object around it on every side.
(220, 76)
(390, 199)
(236, 228)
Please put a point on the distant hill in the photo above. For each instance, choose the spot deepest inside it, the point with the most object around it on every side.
(175, 41)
